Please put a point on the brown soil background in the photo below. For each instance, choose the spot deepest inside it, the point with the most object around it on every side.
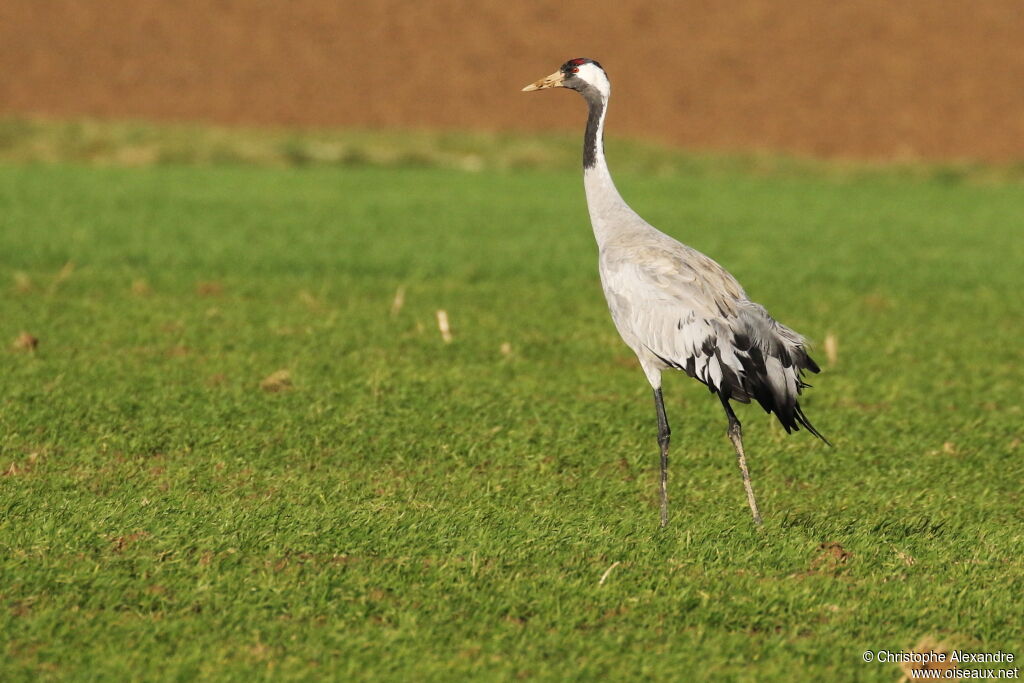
(870, 79)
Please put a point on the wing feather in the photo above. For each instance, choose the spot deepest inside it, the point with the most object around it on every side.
(681, 308)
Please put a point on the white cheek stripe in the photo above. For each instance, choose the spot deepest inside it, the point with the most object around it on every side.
(595, 77)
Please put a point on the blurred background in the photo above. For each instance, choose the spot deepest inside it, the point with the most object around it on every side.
(871, 79)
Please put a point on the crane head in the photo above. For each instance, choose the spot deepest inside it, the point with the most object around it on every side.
(576, 74)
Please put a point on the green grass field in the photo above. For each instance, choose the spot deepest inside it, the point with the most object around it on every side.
(411, 509)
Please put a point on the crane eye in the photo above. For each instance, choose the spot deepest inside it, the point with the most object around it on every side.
(576, 70)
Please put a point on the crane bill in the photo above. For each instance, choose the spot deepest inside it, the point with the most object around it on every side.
(552, 81)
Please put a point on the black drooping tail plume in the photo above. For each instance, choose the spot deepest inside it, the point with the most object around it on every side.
(774, 359)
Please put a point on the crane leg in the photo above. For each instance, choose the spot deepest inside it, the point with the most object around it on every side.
(736, 436)
(664, 435)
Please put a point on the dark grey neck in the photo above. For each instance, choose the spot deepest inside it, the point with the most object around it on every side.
(592, 141)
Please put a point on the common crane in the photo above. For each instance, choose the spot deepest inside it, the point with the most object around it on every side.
(678, 309)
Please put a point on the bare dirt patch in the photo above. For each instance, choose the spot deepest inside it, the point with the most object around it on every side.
(872, 79)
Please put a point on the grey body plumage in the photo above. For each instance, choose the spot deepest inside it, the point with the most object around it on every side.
(675, 307)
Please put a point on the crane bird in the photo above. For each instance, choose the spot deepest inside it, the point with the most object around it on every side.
(678, 309)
